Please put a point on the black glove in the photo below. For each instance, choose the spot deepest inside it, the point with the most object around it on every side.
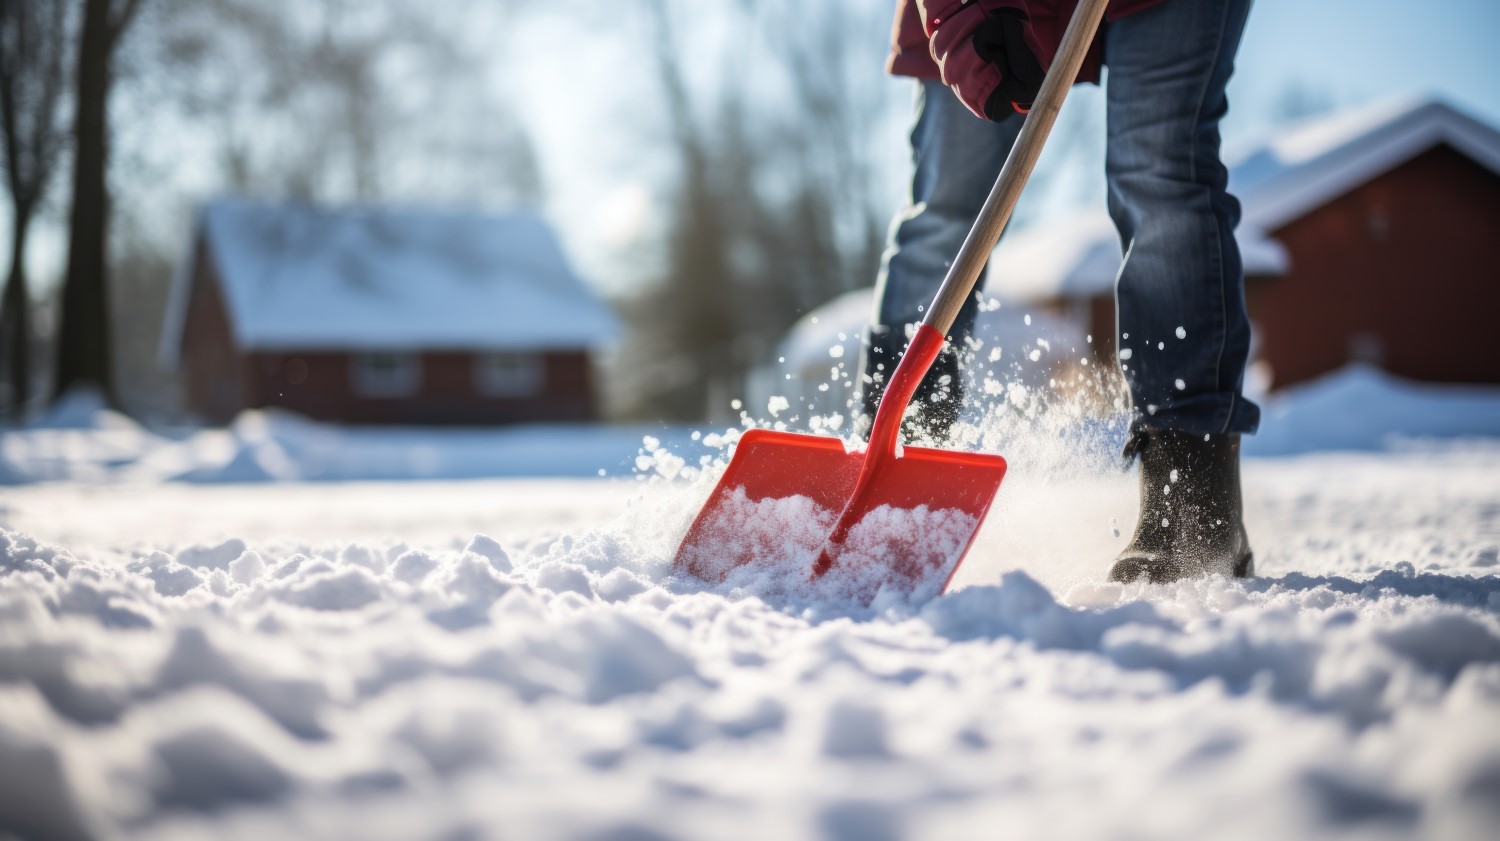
(1001, 41)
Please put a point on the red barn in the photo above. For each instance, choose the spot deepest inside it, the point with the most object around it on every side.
(1368, 236)
(382, 316)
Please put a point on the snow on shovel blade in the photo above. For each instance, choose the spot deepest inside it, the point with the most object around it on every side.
(770, 466)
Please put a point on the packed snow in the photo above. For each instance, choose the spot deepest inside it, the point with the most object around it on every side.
(473, 658)
(767, 548)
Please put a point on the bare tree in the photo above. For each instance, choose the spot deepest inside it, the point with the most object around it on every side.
(83, 357)
(331, 101)
(773, 210)
(686, 326)
(33, 78)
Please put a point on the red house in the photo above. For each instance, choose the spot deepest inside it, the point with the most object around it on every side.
(382, 316)
(1368, 236)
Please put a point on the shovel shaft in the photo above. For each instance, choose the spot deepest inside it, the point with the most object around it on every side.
(956, 287)
(981, 240)
(881, 449)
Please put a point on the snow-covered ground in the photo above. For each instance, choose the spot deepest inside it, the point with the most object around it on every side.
(513, 657)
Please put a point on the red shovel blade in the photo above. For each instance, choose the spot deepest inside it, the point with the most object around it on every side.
(949, 492)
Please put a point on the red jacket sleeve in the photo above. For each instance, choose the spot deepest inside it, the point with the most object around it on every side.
(950, 27)
(911, 47)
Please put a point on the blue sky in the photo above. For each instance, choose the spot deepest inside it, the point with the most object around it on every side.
(1361, 49)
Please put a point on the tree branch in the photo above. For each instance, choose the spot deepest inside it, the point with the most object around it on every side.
(119, 22)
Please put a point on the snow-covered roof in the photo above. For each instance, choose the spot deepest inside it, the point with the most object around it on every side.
(1080, 255)
(1305, 167)
(295, 276)
(1299, 170)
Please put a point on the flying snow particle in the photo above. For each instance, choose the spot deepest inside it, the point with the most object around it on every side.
(736, 404)
(1161, 345)
(995, 353)
(1034, 355)
(1028, 319)
(1164, 522)
(1180, 384)
(837, 351)
(778, 404)
(1181, 333)
(1172, 476)
(668, 465)
(1126, 353)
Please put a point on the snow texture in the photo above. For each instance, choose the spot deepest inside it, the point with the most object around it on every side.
(476, 659)
(80, 440)
(551, 678)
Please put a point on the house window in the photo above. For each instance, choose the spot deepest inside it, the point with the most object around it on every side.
(508, 374)
(387, 374)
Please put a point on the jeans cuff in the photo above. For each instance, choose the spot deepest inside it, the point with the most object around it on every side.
(1206, 414)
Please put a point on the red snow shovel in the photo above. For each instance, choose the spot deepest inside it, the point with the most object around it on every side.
(771, 465)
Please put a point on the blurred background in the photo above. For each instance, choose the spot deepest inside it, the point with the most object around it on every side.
(218, 205)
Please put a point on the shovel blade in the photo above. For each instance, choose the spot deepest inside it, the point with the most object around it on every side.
(956, 488)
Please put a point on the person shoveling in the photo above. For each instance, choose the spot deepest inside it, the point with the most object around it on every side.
(1169, 63)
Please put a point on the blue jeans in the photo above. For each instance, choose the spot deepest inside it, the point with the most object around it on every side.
(1168, 67)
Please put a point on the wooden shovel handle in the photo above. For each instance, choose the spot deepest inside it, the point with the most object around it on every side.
(981, 240)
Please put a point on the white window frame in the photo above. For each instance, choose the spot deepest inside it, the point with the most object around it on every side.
(509, 373)
(386, 373)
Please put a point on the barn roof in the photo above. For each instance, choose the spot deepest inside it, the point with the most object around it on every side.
(295, 276)
(1324, 158)
(1299, 170)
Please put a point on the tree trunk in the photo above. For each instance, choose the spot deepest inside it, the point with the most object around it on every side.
(84, 339)
(15, 320)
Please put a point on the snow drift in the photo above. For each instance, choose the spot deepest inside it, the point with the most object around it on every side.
(567, 685)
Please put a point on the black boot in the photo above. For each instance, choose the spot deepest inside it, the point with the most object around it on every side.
(939, 398)
(1191, 520)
